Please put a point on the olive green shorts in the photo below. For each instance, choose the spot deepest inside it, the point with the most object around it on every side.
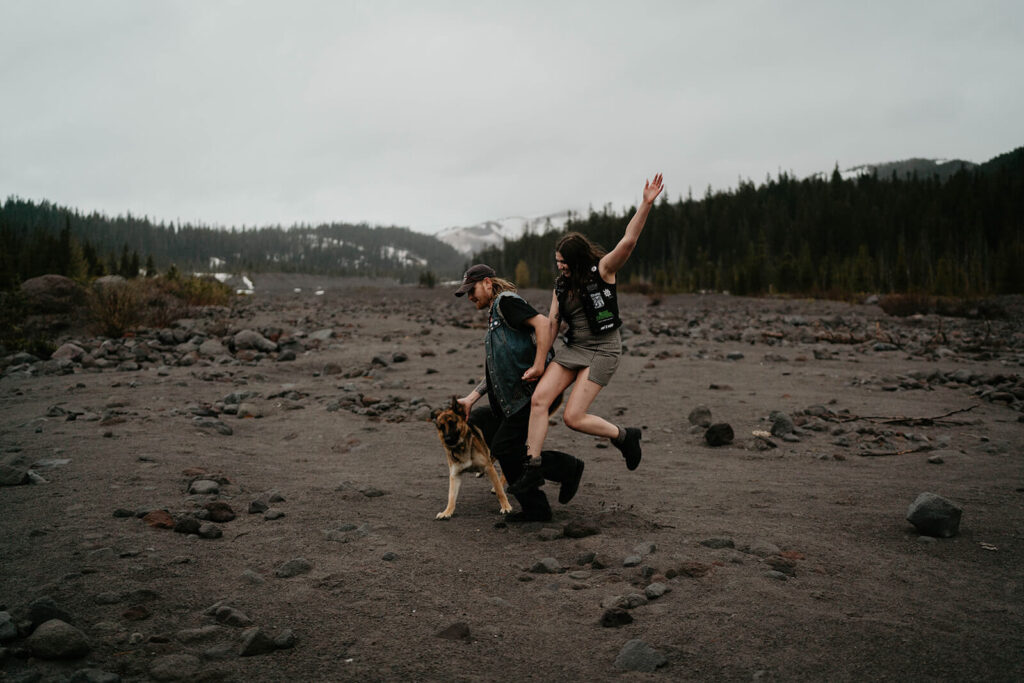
(600, 355)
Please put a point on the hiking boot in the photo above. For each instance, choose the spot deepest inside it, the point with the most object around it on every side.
(524, 516)
(572, 483)
(630, 448)
(531, 478)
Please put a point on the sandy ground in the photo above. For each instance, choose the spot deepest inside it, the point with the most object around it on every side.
(825, 579)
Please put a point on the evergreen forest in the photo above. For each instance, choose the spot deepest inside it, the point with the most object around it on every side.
(956, 234)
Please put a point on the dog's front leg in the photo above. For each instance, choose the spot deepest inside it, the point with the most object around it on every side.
(453, 492)
(499, 490)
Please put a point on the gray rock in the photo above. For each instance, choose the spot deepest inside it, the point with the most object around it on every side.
(546, 565)
(212, 348)
(549, 534)
(762, 548)
(624, 601)
(44, 609)
(719, 434)
(293, 568)
(94, 676)
(255, 642)
(271, 515)
(258, 506)
(782, 424)
(457, 631)
(248, 409)
(8, 629)
(209, 530)
(285, 639)
(700, 416)
(934, 515)
(250, 339)
(211, 423)
(718, 542)
(180, 667)
(56, 639)
(198, 635)
(52, 293)
(632, 561)
(231, 616)
(636, 655)
(204, 487)
(68, 351)
(655, 590)
(13, 476)
(616, 617)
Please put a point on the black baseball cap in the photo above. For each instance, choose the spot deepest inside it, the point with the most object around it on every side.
(474, 275)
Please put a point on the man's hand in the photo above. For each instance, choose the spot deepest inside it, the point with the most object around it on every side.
(467, 402)
(533, 373)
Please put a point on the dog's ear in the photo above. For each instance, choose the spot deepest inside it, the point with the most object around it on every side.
(456, 408)
(434, 413)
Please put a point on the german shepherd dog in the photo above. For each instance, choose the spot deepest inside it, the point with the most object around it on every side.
(466, 451)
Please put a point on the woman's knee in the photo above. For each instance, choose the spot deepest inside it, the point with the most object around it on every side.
(573, 419)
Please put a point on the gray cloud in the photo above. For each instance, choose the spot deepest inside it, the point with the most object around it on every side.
(449, 113)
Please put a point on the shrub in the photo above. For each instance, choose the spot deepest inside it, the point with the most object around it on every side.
(116, 308)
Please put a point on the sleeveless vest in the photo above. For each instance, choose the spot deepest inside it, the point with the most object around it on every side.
(600, 303)
(510, 353)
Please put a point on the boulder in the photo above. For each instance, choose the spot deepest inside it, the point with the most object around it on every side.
(933, 515)
(52, 294)
(56, 639)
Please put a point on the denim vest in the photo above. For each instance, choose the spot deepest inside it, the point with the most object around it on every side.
(510, 352)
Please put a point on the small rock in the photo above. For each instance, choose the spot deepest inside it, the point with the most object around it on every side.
(636, 655)
(576, 529)
(209, 530)
(700, 416)
(285, 639)
(56, 639)
(655, 590)
(719, 434)
(231, 616)
(632, 561)
(187, 525)
(181, 667)
(615, 617)
(457, 631)
(257, 507)
(546, 565)
(271, 515)
(219, 511)
(718, 542)
(549, 534)
(255, 642)
(204, 487)
(293, 568)
(933, 515)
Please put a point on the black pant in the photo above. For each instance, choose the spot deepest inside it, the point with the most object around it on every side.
(506, 437)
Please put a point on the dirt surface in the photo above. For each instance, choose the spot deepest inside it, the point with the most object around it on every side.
(818, 574)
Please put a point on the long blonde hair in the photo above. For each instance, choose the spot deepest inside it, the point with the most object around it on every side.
(498, 285)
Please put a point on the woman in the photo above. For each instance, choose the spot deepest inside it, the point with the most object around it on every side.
(514, 362)
(585, 298)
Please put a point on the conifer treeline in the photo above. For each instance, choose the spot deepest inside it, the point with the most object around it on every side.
(962, 236)
(39, 238)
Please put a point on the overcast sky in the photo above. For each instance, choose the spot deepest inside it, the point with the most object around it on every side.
(433, 114)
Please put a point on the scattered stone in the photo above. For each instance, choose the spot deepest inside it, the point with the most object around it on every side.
(187, 525)
(615, 617)
(231, 616)
(934, 515)
(293, 568)
(8, 629)
(257, 507)
(549, 534)
(655, 590)
(196, 635)
(718, 542)
(179, 667)
(777, 575)
(209, 530)
(632, 561)
(219, 511)
(636, 655)
(719, 434)
(44, 609)
(204, 487)
(457, 631)
(255, 642)
(936, 460)
(56, 639)
(253, 577)
(629, 601)
(13, 476)
(700, 416)
(782, 425)
(577, 529)
(285, 639)
(547, 565)
(94, 676)
(389, 556)
(211, 423)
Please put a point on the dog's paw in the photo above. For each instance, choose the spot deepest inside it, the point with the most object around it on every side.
(443, 514)
(505, 510)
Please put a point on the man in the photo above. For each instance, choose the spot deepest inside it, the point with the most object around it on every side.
(515, 334)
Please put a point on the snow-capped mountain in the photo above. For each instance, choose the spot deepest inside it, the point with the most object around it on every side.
(924, 168)
(472, 239)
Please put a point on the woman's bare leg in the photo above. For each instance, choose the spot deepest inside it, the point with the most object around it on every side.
(551, 384)
(575, 414)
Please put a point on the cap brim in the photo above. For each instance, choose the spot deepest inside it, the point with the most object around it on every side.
(464, 289)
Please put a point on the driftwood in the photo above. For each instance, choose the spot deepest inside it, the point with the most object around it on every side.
(909, 421)
(878, 454)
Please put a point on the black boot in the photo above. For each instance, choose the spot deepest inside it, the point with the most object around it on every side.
(534, 507)
(630, 447)
(531, 478)
(565, 469)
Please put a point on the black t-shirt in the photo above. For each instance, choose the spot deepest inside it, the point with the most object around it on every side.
(516, 312)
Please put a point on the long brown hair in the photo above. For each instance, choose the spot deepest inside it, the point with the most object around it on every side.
(580, 255)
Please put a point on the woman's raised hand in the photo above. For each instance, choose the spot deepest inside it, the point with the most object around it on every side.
(653, 188)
